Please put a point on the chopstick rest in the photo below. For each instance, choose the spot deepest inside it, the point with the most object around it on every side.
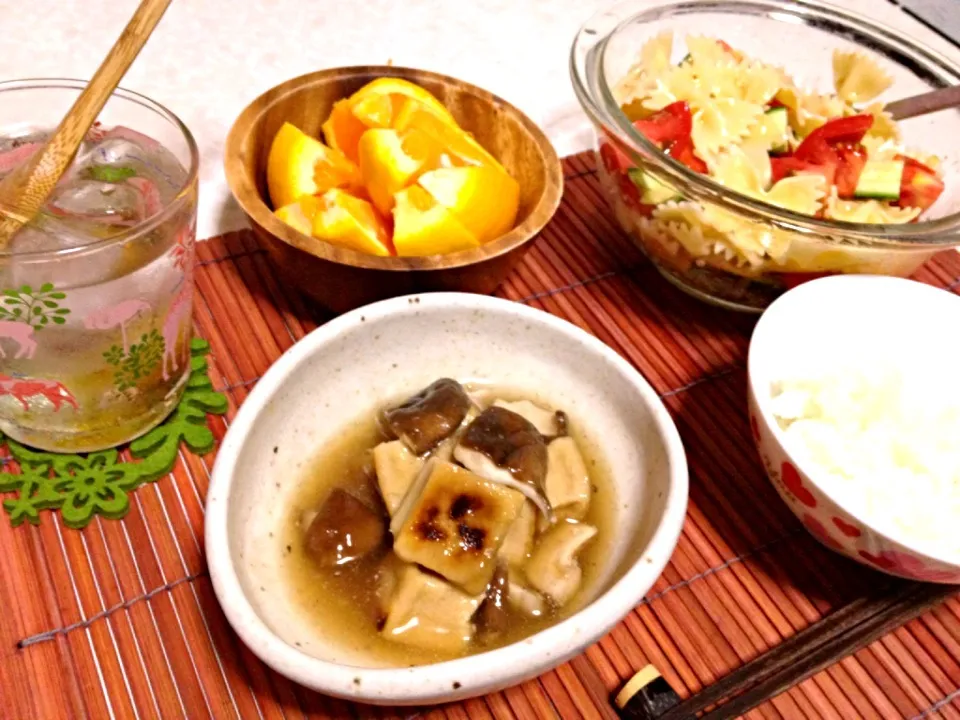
(645, 696)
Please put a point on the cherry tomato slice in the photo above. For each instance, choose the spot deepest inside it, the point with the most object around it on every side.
(850, 162)
(818, 146)
(672, 123)
(614, 159)
(630, 195)
(682, 151)
(789, 165)
(920, 187)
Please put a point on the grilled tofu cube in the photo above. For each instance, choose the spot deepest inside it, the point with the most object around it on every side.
(396, 469)
(453, 522)
(430, 613)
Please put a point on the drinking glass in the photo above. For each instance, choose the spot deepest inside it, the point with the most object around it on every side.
(95, 332)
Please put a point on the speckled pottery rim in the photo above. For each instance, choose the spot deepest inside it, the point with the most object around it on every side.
(477, 674)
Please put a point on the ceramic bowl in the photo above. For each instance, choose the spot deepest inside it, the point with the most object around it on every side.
(344, 370)
(823, 322)
(343, 279)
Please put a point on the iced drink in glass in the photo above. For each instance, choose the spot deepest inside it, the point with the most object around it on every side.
(96, 291)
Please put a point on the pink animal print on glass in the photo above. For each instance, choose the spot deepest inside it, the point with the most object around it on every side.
(183, 251)
(174, 325)
(117, 316)
(21, 334)
(23, 389)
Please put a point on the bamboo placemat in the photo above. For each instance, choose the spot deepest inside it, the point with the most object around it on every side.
(120, 620)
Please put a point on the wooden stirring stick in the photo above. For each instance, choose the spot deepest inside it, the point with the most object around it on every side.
(23, 191)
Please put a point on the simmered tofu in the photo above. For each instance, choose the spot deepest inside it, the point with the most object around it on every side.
(396, 469)
(553, 568)
(567, 484)
(544, 420)
(518, 541)
(522, 598)
(453, 522)
(430, 613)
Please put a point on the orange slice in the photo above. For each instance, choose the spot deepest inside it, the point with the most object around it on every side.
(390, 161)
(350, 222)
(342, 130)
(421, 226)
(300, 213)
(300, 165)
(459, 144)
(385, 166)
(375, 111)
(483, 199)
(391, 91)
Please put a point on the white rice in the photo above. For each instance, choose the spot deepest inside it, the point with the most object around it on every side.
(887, 445)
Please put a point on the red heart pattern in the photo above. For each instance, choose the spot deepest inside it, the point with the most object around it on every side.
(755, 428)
(882, 561)
(791, 478)
(846, 528)
(817, 529)
(909, 566)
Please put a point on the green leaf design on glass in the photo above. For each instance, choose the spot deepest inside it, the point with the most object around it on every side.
(141, 360)
(109, 174)
(83, 486)
(36, 308)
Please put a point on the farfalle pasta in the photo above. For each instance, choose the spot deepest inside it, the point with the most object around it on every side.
(753, 130)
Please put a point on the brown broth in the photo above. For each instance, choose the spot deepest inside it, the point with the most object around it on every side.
(343, 601)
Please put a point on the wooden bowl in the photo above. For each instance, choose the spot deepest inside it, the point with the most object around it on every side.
(342, 279)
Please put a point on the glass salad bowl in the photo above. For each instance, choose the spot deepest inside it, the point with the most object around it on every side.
(702, 207)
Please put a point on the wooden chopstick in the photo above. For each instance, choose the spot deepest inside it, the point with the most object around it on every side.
(841, 633)
(594, 686)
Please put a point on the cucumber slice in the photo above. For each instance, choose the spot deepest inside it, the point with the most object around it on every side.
(880, 179)
(652, 191)
(777, 128)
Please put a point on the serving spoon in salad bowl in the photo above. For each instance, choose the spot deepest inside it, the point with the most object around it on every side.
(925, 103)
(24, 190)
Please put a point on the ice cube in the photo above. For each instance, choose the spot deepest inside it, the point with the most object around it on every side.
(112, 152)
(83, 201)
(46, 234)
(127, 150)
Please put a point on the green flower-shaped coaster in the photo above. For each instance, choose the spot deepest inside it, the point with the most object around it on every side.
(82, 486)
